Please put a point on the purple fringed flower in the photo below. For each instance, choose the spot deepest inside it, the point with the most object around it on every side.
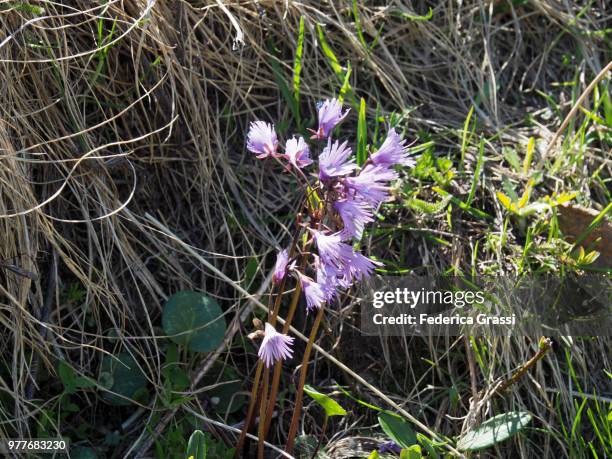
(280, 269)
(330, 114)
(355, 215)
(331, 249)
(360, 267)
(328, 280)
(297, 152)
(275, 346)
(370, 185)
(334, 162)
(262, 139)
(315, 297)
(392, 151)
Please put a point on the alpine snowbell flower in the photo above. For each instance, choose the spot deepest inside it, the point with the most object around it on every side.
(336, 209)
(315, 297)
(275, 346)
(328, 280)
(360, 267)
(280, 269)
(370, 184)
(334, 160)
(392, 151)
(355, 215)
(331, 248)
(297, 152)
(262, 139)
(330, 114)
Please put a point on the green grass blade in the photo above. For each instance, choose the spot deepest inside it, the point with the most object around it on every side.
(297, 66)
(362, 134)
(476, 173)
(331, 57)
(358, 25)
(282, 83)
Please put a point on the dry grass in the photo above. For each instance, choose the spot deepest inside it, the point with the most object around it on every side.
(117, 110)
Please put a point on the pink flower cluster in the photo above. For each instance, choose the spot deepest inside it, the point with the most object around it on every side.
(350, 195)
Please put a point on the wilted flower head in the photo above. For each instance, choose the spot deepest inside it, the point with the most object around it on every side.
(275, 346)
(297, 152)
(315, 297)
(280, 269)
(355, 215)
(330, 114)
(262, 139)
(334, 160)
(392, 151)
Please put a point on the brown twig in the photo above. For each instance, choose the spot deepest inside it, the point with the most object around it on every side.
(297, 411)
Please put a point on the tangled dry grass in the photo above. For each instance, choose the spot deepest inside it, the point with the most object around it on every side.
(119, 116)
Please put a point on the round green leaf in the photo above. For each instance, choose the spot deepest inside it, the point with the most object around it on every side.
(125, 377)
(494, 430)
(194, 320)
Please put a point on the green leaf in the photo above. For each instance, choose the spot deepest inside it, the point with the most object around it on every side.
(196, 448)
(23, 7)
(429, 446)
(504, 200)
(68, 377)
(194, 320)
(533, 208)
(124, 376)
(346, 84)
(331, 57)
(362, 134)
(414, 17)
(426, 207)
(282, 84)
(397, 429)
(512, 157)
(374, 455)
(494, 430)
(331, 407)
(479, 162)
(414, 452)
(361, 402)
(529, 155)
(297, 64)
(358, 25)
(71, 380)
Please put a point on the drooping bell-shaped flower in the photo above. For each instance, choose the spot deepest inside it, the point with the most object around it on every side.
(275, 346)
(355, 214)
(280, 268)
(360, 267)
(331, 249)
(261, 139)
(315, 297)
